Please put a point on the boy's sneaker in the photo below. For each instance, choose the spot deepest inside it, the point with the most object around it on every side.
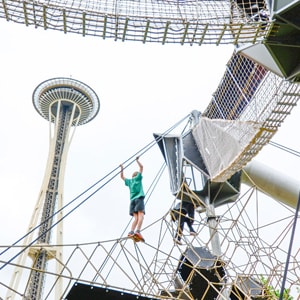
(178, 242)
(138, 236)
(193, 233)
(130, 234)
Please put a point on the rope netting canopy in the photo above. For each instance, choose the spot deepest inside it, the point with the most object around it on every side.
(162, 21)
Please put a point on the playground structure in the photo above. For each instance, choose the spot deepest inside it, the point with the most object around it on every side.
(232, 256)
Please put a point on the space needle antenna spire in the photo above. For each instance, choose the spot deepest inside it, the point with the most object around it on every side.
(66, 103)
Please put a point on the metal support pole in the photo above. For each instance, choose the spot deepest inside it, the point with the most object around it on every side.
(215, 242)
(213, 229)
(290, 250)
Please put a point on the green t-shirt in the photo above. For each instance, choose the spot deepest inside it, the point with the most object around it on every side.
(135, 186)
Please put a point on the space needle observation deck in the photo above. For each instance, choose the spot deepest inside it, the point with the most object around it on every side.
(69, 93)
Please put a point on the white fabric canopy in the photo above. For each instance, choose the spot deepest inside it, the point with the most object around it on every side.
(221, 142)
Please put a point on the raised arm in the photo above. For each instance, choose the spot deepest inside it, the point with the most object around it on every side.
(140, 165)
(122, 172)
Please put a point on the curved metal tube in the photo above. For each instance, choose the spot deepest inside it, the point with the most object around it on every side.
(272, 183)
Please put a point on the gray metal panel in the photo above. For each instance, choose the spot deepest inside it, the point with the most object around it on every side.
(260, 53)
(220, 193)
(283, 5)
(279, 52)
(192, 154)
(171, 148)
(246, 287)
(200, 257)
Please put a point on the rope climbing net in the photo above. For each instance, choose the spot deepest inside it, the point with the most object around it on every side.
(162, 21)
(252, 262)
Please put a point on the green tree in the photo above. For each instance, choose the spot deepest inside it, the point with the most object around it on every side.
(272, 293)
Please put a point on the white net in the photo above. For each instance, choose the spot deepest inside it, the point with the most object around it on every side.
(171, 21)
(248, 93)
(221, 142)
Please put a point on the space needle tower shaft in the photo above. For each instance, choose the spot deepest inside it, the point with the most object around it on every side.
(65, 103)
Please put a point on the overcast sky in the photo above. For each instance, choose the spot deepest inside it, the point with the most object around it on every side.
(142, 89)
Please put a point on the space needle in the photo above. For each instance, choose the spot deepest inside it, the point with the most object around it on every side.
(66, 103)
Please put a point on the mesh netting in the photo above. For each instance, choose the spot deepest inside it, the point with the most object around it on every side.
(252, 243)
(182, 21)
(249, 92)
(221, 142)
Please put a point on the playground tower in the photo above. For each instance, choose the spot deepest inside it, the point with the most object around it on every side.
(65, 103)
